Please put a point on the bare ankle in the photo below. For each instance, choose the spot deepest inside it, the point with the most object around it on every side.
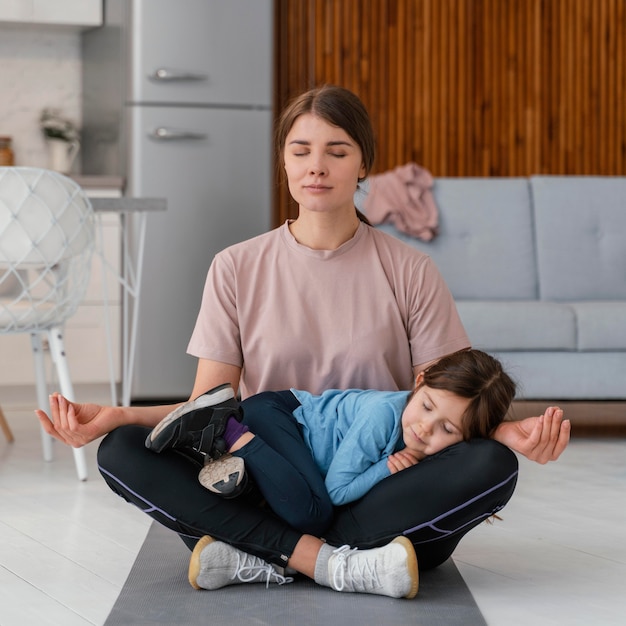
(305, 554)
(247, 437)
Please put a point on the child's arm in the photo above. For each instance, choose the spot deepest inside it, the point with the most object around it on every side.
(346, 484)
(360, 460)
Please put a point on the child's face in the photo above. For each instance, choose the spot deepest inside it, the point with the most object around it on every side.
(432, 421)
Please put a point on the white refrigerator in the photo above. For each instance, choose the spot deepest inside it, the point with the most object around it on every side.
(178, 100)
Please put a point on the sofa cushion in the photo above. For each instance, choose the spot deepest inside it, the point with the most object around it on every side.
(601, 325)
(515, 325)
(485, 248)
(556, 376)
(581, 236)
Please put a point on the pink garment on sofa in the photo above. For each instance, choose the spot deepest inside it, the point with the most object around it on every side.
(403, 197)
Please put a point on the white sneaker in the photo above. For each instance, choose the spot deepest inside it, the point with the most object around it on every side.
(215, 564)
(387, 571)
(225, 476)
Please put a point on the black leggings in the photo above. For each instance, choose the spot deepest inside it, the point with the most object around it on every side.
(282, 465)
(434, 503)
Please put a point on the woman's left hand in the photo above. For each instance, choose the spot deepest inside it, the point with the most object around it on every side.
(541, 439)
(401, 460)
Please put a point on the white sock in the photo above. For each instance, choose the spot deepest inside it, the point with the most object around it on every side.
(321, 576)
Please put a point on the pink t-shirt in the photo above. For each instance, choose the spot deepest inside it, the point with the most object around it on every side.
(357, 317)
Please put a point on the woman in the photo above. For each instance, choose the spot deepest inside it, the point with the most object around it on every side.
(324, 301)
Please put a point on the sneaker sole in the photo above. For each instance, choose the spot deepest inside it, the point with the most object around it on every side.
(225, 476)
(194, 561)
(167, 429)
(411, 563)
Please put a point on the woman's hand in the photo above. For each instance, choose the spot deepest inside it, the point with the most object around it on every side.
(541, 439)
(401, 460)
(77, 424)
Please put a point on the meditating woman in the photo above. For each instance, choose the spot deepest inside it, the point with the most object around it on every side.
(324, 301)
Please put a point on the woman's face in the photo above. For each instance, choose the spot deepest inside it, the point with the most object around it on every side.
(432, 421)
(323, 165)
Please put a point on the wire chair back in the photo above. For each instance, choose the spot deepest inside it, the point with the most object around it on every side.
(47, 238)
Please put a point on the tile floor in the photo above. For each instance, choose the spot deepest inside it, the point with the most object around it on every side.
(558, 556)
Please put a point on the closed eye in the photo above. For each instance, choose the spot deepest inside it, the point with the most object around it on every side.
(449, 430)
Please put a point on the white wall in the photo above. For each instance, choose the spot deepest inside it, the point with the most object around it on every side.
(38, 68)
(41, 67)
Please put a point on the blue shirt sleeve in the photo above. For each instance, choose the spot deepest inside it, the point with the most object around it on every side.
(360, 460)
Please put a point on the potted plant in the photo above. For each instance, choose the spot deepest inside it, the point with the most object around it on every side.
(62, 141)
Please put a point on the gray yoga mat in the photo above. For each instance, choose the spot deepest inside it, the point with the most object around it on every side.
(157, 592)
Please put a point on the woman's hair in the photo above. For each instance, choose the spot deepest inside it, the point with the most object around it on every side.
(336, 106)
(475, 375)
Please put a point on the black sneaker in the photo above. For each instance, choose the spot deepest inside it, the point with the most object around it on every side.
(198, 424)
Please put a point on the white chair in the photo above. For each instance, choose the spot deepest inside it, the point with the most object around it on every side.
(46, 246)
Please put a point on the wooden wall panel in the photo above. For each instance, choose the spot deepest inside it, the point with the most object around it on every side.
(469, 87)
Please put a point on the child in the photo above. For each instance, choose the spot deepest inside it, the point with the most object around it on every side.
(307, 453)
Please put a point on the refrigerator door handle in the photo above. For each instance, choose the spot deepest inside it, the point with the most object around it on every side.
(169, 134)
(164, 75)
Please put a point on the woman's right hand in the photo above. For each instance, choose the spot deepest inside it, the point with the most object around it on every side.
(78, 424)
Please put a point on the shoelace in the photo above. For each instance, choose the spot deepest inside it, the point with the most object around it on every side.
(249, 568)
(359, 570)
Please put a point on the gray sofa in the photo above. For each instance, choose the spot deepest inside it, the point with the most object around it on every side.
(538, 270)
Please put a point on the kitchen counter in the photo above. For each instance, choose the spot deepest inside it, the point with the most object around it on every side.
(124, 204)
(109, 203)
(101, 186)
(107, 195)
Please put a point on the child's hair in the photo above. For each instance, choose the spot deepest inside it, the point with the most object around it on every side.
(480, 377)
